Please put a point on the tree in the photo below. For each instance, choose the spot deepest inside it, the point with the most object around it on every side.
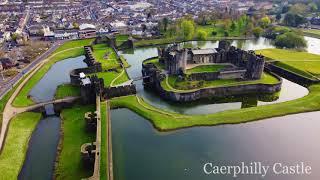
(144, 27)
(187, 28)
(202, 35)
(214, 33)
(165, 22)
(257, 31)
(278, 17)
(298, 8)
(203, 19)
(15, 36)
(249, 28)
(285, 9)
(233, 26)
(290, 40)
(75, 25)
(313, 7)
(226, 34)
(226, 24)
(265, 22)
(293, 20)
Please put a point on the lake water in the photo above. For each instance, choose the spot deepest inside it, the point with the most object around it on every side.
(41, 154)
(141, 152)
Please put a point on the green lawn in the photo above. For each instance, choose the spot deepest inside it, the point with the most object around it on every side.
(156, 62)
(75, 43)
(302, 63)
(121, 38)
(206, 68)
(173, 84)
(123, 77)
(22, 99)
(16, 144)
(106, 56)
(104, 146)
(67, 90)
(74, 135)
(311, 32)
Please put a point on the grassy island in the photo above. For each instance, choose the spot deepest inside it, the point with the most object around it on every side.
(172, 83)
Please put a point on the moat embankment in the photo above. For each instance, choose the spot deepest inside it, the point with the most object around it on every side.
(41, 154)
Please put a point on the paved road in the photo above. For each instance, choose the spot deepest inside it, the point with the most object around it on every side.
(9, 84)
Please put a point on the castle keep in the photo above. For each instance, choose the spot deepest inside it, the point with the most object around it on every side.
(241, 64)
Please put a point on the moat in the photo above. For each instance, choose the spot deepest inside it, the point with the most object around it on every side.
(180, 154)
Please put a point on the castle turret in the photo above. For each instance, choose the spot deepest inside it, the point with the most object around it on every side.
(225, 45)
(255, 66)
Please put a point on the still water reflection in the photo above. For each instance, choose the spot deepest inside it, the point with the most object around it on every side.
(41, 154)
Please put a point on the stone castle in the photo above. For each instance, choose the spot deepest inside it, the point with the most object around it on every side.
(242, 64)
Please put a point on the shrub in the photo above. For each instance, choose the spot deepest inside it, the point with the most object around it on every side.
(202, 35)
(257, 31)
(290, 40)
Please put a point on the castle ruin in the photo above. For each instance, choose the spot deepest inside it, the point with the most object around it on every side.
(242, 64)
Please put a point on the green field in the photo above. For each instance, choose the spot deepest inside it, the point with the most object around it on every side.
(16, 144)
(120, 38)
(106, 56)
(75, 43)
(104, 146)
(205, 68)
(60, 54)
(172, 83)
(302, 63)
(74, 135)
(67, 90)
(156, 62)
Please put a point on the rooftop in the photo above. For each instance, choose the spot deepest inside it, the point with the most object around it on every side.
(203, 51)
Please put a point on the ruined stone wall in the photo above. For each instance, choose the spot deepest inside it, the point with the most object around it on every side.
(75, 77)
(118, 91)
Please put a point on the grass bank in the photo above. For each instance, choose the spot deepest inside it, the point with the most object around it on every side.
(60, 54)
(302, 63)
(66, 90)
(205, 68)
(311, 32)
(112, 74)
(16, 144)
(74, 135)
(165, 121)
(172, 83)
(104, 151)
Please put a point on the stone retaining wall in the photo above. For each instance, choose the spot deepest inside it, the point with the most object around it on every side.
(155, 78)
(290, 75)
(118, 91)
